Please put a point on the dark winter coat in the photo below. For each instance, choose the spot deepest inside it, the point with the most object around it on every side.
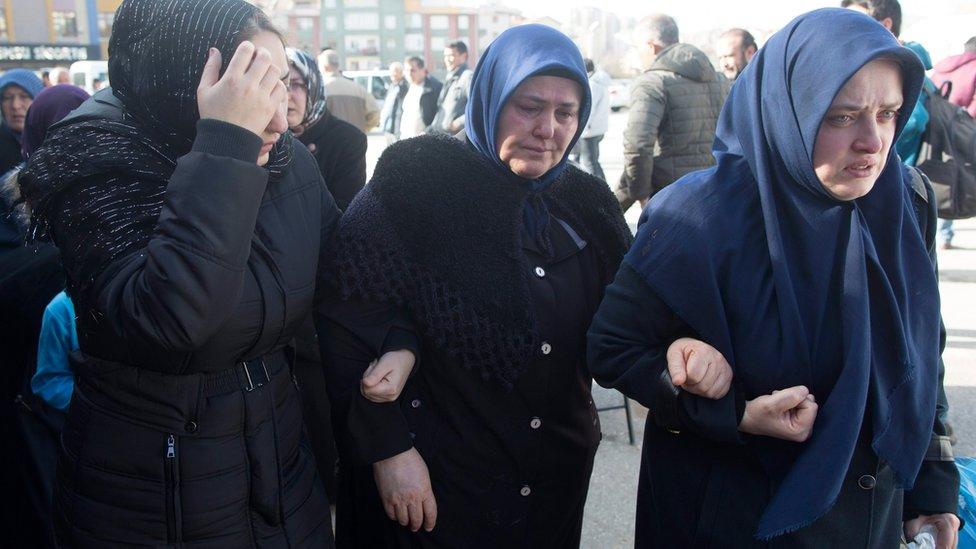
(674, 109)
(509, 466)
(339, 148)
(452, 100)
(701, 484)
(170, 439)
(10, 154)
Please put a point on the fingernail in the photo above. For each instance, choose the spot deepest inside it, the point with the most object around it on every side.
(211, 52)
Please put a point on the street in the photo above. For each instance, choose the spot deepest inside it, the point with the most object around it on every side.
(609, 517)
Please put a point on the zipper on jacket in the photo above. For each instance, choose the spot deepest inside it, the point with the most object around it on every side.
(173, 508)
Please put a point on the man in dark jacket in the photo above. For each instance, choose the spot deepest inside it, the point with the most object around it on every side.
(419, 105)
(393, 103)
(674, 107)
(453, 98)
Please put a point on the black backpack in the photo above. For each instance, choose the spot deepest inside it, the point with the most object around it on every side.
(948, 155)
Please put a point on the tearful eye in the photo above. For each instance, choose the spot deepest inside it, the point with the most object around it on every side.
(889, 114)
(841, 119)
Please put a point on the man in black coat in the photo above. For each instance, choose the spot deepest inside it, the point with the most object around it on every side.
(419, 105)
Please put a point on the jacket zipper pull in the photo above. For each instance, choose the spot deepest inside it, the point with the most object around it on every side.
(171, 447)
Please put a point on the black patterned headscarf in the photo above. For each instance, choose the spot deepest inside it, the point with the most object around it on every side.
(314, 86)
(99, 184)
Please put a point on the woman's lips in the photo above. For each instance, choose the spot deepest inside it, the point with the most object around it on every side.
(864, 169)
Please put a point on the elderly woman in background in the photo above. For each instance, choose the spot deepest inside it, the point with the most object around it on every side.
(191, 228)
(481, 259)
(339, 147)
(806, 258)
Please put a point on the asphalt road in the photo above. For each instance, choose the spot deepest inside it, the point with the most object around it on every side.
(609, 517)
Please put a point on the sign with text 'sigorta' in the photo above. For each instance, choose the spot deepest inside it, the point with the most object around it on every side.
(48, 52)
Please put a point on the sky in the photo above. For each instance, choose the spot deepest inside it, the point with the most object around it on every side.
(942, 26)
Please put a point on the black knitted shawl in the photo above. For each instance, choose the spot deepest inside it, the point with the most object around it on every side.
(437, 232)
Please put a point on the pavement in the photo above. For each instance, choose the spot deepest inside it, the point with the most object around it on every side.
(608, 521)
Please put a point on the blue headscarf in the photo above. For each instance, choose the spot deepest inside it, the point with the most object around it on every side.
(26, 80)
(795, 287)
(516, 55)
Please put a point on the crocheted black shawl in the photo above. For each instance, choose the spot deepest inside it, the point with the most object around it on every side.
(437, 232)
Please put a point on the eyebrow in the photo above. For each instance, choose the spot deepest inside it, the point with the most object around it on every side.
(854, 107)
(537, 99)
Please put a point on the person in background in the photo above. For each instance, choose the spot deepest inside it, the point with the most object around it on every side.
(477, 261)
(734, 49)
(453, 96)
(30, 276)
(960, 70)
(587, 151)
(54, 381)
(344, 98)
(18, 88)
(420, 102)
(393, 103)
(60, 75)
(674, 106)
(791, 367)
(338, 147)
(46, 78)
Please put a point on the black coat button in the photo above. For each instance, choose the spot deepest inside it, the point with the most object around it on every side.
(867, 482)
(191, 427)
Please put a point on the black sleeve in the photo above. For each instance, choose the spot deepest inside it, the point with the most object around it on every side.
(177, 291)
(936, 488)
(352, 335)
(349, 174)
(627, 350)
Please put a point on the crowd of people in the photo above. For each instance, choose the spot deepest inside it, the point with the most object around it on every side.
(220, 334)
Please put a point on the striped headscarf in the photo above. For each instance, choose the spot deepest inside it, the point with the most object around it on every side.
(314, 86)
(114, 172)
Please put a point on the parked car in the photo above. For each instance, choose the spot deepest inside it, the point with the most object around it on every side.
(619, 94)
(84, 74)
(376, 82)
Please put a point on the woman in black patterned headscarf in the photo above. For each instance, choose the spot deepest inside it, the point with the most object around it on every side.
(189, 229)
(338, 147)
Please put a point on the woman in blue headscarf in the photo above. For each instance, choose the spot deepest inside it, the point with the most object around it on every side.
(482, 259)
(801, 257)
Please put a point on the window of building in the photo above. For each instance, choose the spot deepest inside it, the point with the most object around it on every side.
(106, 19)
(390, 22)
(359, 44)
(413, 42)
(3, 24)
(65, 24)
(329, 3)
(304, 23)
(391, 44)
(330, 23)
(463, 22)
(362, 21)
(439, 22)
(360, 3)
(415, 21)
(438, 43)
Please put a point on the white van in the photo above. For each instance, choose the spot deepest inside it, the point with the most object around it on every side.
(376, 82)
(84, 74)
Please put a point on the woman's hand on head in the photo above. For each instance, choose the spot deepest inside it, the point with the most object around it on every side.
(383, 381)
(699, 368)
(248, 93)
(788, 414)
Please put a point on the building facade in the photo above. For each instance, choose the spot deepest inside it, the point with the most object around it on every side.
(47, 33)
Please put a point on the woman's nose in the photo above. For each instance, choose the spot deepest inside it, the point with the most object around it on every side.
(545, 128)
(869, 139)
(279, 122)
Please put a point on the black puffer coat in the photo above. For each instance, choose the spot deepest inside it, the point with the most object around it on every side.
(169, 439)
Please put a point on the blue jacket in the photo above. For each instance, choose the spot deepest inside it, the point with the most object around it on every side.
(911, 137)
(54, 381)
